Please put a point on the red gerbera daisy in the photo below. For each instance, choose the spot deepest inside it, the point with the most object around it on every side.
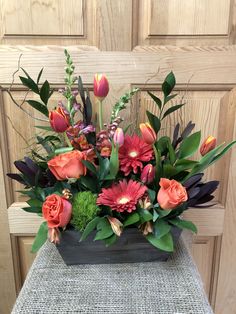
(133, 153)
(122, 196)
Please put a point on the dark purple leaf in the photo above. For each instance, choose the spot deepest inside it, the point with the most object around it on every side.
(193, 180)
(190, 126)
(208, 188)
(17, 177)
(31, 165)
(205, 199)
(193, 192)
(175, 134)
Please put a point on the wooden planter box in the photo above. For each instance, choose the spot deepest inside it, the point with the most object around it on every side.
(131, 247)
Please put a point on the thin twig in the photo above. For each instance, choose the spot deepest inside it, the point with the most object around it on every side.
(14, 128)
(24, 99)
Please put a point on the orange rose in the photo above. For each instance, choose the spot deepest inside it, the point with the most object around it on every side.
(171, 194)
(57, 211)
(68, 165)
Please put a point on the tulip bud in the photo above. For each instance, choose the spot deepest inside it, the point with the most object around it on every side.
(119, 137)
(149, 135)
(208, 145)
(59, 120)
(148, 174)
(54, 235)
(116, 225)
(100, 86)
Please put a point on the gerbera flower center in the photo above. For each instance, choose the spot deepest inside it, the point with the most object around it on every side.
(123, 200)
(133, 154)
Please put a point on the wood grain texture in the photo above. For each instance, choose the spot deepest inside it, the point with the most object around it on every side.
(47, 18)
(202, 67)
(114, 25)
(202, 251)
(7, 282)
(226, 288)
(25, 255)
(188, 17)
(23, 223)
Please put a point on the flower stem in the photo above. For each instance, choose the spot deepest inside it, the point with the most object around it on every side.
(100, 115)
(67, 140)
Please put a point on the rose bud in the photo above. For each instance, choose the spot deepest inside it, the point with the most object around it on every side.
(59, 120)
(148, 134)
(54, 235)
(119, 137)
(171, 194)
(148, 174)
(56, 211)
(116, 225)
(100, 86)
(208, 145)
(68, 165)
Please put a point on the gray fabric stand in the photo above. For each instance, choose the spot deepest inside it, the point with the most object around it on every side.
(172, 287)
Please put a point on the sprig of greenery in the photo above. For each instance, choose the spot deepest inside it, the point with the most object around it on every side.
(121, 103)
(69, 80)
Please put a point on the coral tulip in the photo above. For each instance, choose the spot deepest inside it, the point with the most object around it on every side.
(148, 134)
(59, 120)
(208, 145)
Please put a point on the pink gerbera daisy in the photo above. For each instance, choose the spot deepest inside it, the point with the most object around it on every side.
(133, 153)
(123, 196)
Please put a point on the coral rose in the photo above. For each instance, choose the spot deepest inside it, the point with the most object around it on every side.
(57, 211)
(171, 194)
(68, 165)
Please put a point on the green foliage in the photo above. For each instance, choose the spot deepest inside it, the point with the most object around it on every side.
(154, 121)
(183, 224)
(131, 219)
(40, 238)
(189, 145)
(104, 229)
(164, 243)
(84, 209)
(89, 228)
(114, 163)
(161, 228)
(121, 103)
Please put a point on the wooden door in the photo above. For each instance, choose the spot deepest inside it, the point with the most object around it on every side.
(145, 39)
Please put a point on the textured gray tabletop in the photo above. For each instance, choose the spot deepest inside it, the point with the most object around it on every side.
(172, 287)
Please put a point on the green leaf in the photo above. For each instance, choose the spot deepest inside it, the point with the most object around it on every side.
(155, 215)
(168, 84)
(132, 219)
(90, 166)
(183, 224)
(38, 106)
(145, 215)
(114, 162)
(171, 109)
(63, 150)
(89, 183)
(165, 243)
(45, 92)
(35, 203)
(104, 166)
(156, 99)
(168, 98)
(184, 164)
(33, 209)
(45, 128)
(169, 171)
(154, 121)
(152, 195)
(89, 228)
(39, 75)
(161, 227)
(189, 145)
(28, 82)
(224, 150)
(40, 238)
(104, 229)
(163, 213)
(111, 240)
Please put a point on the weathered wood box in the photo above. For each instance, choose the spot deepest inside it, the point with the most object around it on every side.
(131, 247)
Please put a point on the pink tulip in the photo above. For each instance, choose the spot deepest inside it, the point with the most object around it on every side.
(119, 137)
(148, 134)
(59, 120)
(100, 86)
(148, 174)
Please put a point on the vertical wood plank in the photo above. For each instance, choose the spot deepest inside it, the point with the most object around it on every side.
(7, 283)
(114, 24)
(226, 288)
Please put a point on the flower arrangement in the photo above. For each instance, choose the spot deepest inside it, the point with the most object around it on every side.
(100, 178)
